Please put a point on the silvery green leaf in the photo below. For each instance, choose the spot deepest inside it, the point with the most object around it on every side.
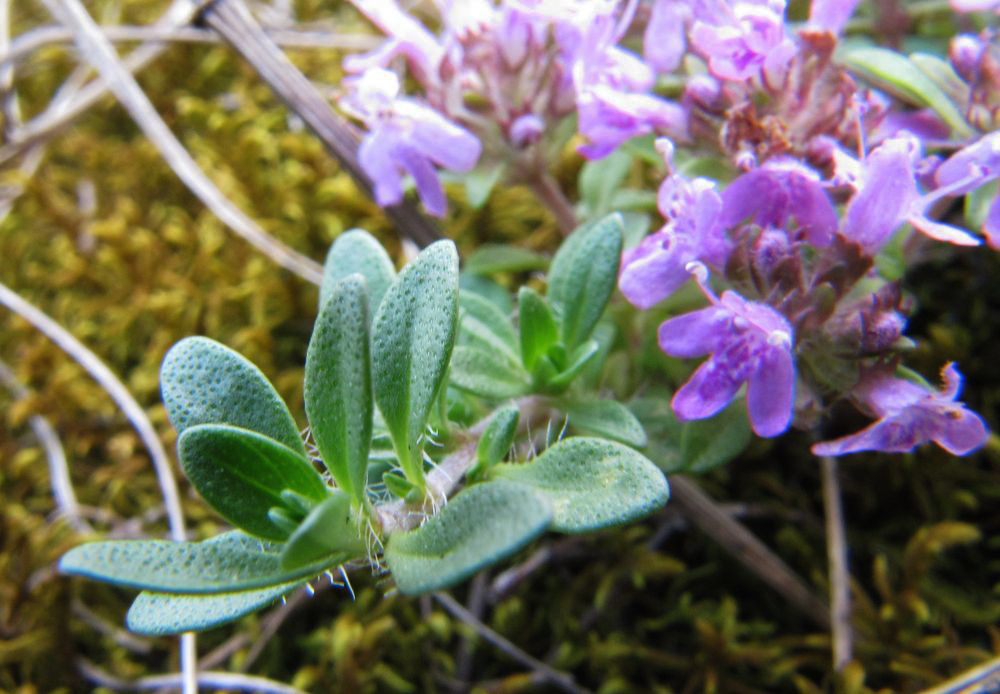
(898, 74)
(204, 382)
(490, 259)
(241, 474)
(162, 614)
(483, 524)
(607, 418)
(229, 562)
(487, 289)
(357, 251)
(413, 337)
(695, 446)
(583, 274)
(600, 179)
(498, 437)
(488, 374)
(537, 326)
(482, 321)
(591, 483)
(330, 533)
(338, 388)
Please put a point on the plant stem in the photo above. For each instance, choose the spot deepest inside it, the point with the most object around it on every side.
(545, 188)
(836, 551)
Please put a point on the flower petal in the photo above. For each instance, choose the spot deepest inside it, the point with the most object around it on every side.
(771, 393)
(709, 389)
(692, 334)
(654, 270)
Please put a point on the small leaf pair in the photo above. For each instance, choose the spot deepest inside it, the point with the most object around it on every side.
(553, 345)
(577, 485)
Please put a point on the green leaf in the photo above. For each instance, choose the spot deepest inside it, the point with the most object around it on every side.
(896, 73)
(241, 474)
(330, 533)
(357, 251)
(580, 358)
(584, 272)
(537, 325)
(490, 259)
(599, 179)
(482, 324)
(496, 440)
(163, 614)
(338, 388)
(487, 289)
(591, 483)
(607, 418)
(483, 524)
(414, 333)
(487, 374)
(229, 562)
(479, 183)
(398, 486)
(204, 382)
(695, 446)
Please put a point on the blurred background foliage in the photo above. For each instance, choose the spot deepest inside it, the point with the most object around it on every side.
(107, 241)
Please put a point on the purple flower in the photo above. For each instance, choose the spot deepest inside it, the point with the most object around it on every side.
(663, 44)
(910, 415)
(975, 5)
(657, 267)
(969, 168)
(888, 196)
(407, 37)
(405, 136)
(831, 15)
(608, 117)
(749, 342)
(742, 38)
(781, 189)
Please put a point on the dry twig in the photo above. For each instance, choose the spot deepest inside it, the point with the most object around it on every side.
(836, 552)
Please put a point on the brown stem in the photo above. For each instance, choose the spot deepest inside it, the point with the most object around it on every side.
(545, 188)
(836, 552)
(746, 548)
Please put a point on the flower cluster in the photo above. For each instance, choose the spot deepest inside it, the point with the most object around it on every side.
(504, 75)
(825, 176)
(805, 318)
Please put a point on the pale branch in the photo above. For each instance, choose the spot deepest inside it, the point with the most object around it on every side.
(205, 679)
(234, 22)
(98, 51)
(59, 479)
(32, 40)
(137, 416)
(550, 675)
(836, 552)
(60, 114)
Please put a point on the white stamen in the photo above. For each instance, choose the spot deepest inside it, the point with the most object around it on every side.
(779, 338)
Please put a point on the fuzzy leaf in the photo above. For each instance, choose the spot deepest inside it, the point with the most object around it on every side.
(898, 74)
(537, 326)
(591, 483)
(694, 446)
(607, 418)
(482, 525)
(414, 332)
(242, 474)
(490, 259)
(357, 251)
(330, 533)
(484, 323)
(487, 374)
(583, 274)
(338, 388)
(205, 382)
(162, 614)
(499, 436)
(229, 562)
